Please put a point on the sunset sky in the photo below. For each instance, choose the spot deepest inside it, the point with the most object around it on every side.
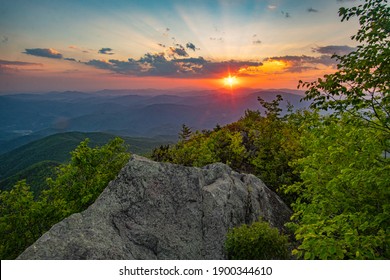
(92, 45)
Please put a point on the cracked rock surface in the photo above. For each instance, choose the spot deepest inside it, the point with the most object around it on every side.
(158, 210)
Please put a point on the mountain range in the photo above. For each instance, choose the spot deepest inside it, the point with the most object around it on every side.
(137, 113)
(38, 131)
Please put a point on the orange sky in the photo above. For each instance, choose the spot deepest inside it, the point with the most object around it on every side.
(93, 45)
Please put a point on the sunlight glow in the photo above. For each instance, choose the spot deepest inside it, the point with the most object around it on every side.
(230, 81)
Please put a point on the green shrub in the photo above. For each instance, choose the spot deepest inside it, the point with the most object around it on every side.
(258, 241)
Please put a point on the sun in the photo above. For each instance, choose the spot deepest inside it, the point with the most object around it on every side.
(230, 81)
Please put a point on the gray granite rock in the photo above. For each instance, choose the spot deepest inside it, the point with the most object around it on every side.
(158, 210)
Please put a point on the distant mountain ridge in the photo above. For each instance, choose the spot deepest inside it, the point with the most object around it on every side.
(141, 113)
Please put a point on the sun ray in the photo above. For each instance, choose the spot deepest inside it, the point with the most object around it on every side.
(230, 81)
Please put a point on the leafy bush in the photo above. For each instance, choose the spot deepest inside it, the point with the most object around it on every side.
(258, 241)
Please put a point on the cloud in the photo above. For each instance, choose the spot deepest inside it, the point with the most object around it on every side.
(232, 66)
(8, 67)
(341, 1)
(177, 51)
(18, 63)
(271, 7)
(293, 63)
(73, 47)
(297, 64)
(49, 53)
(70, 59)
(162, 64)
(216, 39)
(191, 46)
(166, 32)
(107, 51)
(101, 64)
(312, 10)
(332, 49)
(286, 14)
(162, 45)
(257, 42)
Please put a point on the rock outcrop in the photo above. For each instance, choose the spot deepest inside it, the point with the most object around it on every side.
(162, 211)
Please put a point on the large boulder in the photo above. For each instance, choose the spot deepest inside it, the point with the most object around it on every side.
(158, 210)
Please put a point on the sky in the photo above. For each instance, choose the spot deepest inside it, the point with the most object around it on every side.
(124, 44)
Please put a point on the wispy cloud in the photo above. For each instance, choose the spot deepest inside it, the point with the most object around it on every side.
(7, 66)
(312, 10)
(18, 63)
(333, 49)
(107, 51)
(4, 39)
(49, 53)
(257, 42)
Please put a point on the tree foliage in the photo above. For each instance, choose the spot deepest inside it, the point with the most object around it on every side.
(79, 183)
(343, 209)
(343, 204)
(262, 145)
(361, 86)
(76, 186)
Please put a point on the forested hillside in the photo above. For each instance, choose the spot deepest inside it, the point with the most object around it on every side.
(36, 161)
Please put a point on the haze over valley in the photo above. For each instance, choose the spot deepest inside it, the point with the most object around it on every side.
(136, 113)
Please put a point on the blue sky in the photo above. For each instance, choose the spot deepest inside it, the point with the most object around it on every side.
(87, 45)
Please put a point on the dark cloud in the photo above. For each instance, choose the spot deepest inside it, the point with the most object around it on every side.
(49, 53)
(177, 51)
(331, 50)
(101, 64)
(257, 42)
(286, 14)
(70, 59)
(159, 65)
(106, 51)
(130, 67)
(190, 46)
(312, 10)
(156, 65)
(162, 45)
(215, 68)
(125, 67)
